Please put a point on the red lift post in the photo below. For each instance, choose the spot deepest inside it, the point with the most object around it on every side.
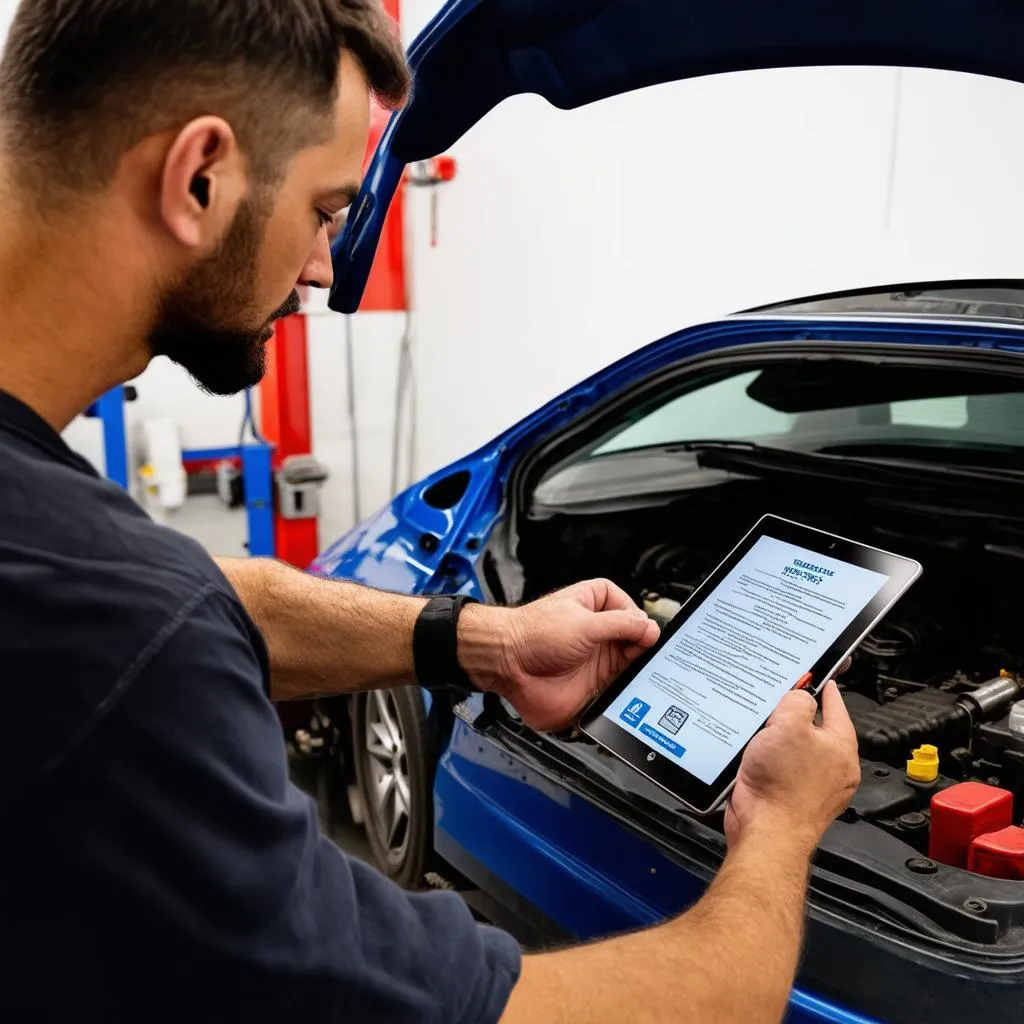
(287, 426)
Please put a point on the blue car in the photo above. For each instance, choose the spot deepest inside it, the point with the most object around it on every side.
(894, 415)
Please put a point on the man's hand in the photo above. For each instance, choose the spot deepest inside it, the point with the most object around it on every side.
(557, 654)
(796, 776)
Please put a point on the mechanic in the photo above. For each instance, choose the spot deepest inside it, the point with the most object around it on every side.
(169, 173)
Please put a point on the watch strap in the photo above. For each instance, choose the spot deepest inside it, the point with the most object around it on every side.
(435, 642)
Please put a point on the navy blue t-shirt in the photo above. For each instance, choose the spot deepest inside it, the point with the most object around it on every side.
(156, 861)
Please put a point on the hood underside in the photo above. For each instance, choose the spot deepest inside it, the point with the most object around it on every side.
(477, 53)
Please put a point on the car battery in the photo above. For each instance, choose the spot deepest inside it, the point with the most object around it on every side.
(962, 813)
(998, 854)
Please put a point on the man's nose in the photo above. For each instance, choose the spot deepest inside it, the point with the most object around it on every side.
(318, 271)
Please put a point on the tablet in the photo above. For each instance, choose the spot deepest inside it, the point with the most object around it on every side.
(785, 609)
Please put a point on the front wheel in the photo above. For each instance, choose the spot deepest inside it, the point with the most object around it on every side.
(395, 770)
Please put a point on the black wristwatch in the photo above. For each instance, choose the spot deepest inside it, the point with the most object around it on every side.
(435, 641)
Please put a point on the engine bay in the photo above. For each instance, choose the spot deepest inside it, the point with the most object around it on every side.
(937, 678)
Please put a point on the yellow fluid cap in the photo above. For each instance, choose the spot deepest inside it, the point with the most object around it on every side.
(923, 766)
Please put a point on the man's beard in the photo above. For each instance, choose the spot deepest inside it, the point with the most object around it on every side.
(205, 320)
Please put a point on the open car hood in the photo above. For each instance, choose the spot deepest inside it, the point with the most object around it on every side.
(477, 53)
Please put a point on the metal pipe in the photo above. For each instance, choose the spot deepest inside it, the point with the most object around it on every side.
(991, 698)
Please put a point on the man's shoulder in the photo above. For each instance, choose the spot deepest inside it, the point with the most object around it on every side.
(68, 524)
(90, 589)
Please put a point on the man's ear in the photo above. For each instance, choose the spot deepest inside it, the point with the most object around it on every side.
(204, 179)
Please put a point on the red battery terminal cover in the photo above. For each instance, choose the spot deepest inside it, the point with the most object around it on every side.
(962, 813)
(998, 854)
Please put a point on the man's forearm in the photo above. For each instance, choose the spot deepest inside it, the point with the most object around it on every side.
(329, 637)
(730, 959)
(325, 636)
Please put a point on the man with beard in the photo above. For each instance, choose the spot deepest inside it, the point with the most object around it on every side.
(169, 172)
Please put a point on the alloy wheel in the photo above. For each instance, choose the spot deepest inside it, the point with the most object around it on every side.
(389, 773)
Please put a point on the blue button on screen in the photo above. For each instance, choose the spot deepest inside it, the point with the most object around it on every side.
(634, 712)
(662, 740)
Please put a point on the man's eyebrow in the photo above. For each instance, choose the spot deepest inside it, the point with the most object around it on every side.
(343, 195)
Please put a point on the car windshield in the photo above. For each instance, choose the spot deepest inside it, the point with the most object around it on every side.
(841, 406)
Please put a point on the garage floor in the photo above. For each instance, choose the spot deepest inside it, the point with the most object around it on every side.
(205, 518)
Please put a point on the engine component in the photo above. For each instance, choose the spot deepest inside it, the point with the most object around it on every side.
(998, 854)
(1015, 719)
(672, 570)
(930, 716)
(997, 738)
(923, 765)
(927, 716)
(885, 793)
(912, 828)
(962, 813)
(890, 642)
(989, 699)
(661, 609)
(999, 751)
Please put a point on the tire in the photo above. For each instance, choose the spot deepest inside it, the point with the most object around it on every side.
(336, 780)
(394, 760)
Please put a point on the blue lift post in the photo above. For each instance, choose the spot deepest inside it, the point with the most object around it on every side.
(257, 482)
(257, 474)
(110, 409)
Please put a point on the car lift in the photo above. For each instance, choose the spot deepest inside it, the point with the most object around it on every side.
(287, 428)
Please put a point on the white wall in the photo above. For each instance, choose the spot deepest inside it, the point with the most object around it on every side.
(569, 239)
(376, 338)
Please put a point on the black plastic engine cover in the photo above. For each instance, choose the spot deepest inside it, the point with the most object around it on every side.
(1003, 751)
(995, 739)
(891, 731)
(886, 792)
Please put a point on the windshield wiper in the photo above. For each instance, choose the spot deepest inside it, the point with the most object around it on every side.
(897, 472)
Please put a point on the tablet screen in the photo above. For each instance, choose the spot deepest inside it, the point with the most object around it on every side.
(721, 674)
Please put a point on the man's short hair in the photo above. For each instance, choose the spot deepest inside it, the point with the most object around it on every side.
(83, 81)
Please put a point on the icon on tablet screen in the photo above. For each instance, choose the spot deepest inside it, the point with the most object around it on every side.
(673, 719)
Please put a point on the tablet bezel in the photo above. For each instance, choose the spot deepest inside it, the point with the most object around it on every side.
(701, 797)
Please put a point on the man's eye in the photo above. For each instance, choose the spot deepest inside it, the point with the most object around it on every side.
(337, 222)
(326, 219)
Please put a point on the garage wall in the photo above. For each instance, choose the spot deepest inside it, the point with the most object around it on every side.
(570, 239)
